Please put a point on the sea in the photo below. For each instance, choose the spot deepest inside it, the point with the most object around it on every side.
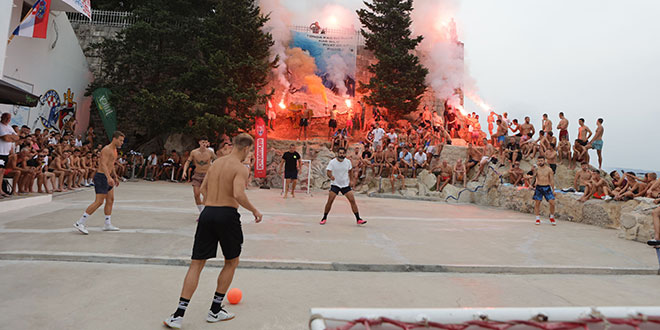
(639, 172)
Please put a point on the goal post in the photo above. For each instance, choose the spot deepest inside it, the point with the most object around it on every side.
(564, 318)
(308, 172)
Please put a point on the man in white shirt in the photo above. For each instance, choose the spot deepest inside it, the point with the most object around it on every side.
(421, 161)
(392, 136)
(337, 171)
(7, 138)
(378, 134)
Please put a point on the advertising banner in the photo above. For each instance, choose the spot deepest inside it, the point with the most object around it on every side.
(107, 112)
(260, 149)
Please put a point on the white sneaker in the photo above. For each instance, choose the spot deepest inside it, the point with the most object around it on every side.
(110, 227)
(81, 228)
(173, 322)
(222, 315)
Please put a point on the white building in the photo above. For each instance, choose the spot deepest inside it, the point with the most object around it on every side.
(54, 68)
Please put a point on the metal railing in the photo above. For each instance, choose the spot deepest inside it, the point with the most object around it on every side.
(104, 17)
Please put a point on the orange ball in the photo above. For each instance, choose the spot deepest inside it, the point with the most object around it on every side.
(234, 296)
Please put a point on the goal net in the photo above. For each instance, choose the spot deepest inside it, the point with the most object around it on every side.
(555, 318)
(304, 177)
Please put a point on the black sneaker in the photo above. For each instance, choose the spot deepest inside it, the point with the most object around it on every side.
(653, 243)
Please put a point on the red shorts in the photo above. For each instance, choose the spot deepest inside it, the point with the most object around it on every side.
(445, 178)
(563, 133)
(599, 196)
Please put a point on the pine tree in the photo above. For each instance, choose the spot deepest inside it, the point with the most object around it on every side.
(196, 66)
(398, 81)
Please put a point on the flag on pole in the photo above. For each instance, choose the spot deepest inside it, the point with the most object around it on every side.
(35, 23)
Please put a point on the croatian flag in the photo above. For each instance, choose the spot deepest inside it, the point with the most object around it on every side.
(35, 23)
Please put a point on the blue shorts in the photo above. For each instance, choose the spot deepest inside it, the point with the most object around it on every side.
(598, 144)
(501, 139)
(543, 192)
(101, 186)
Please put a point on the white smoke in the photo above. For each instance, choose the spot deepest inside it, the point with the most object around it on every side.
(337, 68)
(278, 26)
(440, 52)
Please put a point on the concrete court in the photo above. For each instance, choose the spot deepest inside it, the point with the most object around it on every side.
(157, 219)
(54, 295)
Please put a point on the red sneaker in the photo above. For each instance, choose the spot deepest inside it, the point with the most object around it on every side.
(323, 221)
(538, 222)
(553, 222)
(361, 222)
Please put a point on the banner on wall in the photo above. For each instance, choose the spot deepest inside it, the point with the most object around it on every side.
(81, 6)
(107, 112)
(260, 149)
(335, 56)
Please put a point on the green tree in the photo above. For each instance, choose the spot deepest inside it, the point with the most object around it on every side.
(398, 81)
(197, 66)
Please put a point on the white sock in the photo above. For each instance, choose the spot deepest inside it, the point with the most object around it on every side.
(552, 216)
(83, 219)
(200, 208)
(107, 220)
(537, 218)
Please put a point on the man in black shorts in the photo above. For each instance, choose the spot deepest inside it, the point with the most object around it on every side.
(337, 171)
(305, 118)
(292, 164)
(332, 124)
(223, 189)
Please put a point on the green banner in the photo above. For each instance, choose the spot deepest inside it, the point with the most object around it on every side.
(107, 112)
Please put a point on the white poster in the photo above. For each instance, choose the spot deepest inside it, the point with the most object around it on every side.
(82, 6)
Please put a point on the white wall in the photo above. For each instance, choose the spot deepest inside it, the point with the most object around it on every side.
(40, 65)
(5, 19)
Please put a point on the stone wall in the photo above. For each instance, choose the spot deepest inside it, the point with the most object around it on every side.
(632, 218)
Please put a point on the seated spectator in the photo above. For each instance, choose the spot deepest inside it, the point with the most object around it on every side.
(655, 242)
(445, 175)
(151, 165)
(459, 173)
(421, 161)
(515, 174)
(405, 159)
(395, 173)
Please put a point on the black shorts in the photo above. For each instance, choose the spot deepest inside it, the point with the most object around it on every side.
(553, 167)
(218, 224)
(101, 185)
(583, 142)
(4, 159)
(332, 123)
(472, 161)
(337, 190)
(291, 175)
(304, 122)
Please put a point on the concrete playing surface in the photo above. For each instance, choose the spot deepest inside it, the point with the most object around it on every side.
(54, 278)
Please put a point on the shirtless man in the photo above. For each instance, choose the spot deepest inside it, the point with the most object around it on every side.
(582, 177)
(460, 173)
(104, 180)
(638, 188)
(390, 155)
(654, 189)
(527, 128)
(546, 124)
(545, 187)
(596, 188)
(201, 158)
(355, 163)
(67, 175)
(562, 126)
(515, 174)
(473, 157)
(502, 130)
(486, 156)
(550, 154)
(223, 189)
(332, 123)
(580, 153)
(584, 133)
(597, 142)
(445, 175)
(305, 120)
(379, 161)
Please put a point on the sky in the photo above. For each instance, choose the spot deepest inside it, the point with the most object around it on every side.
(587, 58)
